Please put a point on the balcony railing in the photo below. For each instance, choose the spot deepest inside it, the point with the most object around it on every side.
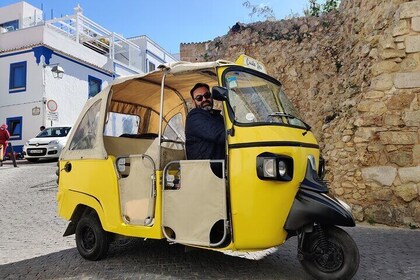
(82, 30)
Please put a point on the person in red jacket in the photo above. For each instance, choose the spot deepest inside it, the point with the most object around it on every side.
(4, 136)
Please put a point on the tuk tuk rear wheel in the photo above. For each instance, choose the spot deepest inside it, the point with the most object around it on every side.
(330, 254)
(91, 240)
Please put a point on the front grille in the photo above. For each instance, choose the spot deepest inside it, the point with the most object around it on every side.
(39, 144)
(36, 152)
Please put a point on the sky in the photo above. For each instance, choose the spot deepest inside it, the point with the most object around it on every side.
(167, 22)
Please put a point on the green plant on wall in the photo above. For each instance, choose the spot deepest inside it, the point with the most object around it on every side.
(330, 5)
(261, 10)
(315, 9)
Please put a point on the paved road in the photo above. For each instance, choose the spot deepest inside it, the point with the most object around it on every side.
(32, 246)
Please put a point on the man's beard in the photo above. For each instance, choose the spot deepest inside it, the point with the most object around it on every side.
(206, 105)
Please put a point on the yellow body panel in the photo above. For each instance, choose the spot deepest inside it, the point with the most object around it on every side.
(258, 208)
(94, 183)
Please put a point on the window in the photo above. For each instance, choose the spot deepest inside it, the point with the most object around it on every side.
(57, 131)
(119, 124)
(175, 129)
(151, 66)
(10, 25)
(256, 99)
(14, 125)
(85, 135)
(17, 80)
(95, 86)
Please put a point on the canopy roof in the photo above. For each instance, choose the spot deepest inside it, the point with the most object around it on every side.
(140, 94)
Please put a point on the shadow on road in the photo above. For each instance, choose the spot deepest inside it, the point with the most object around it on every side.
(155, 260)
(384, 254)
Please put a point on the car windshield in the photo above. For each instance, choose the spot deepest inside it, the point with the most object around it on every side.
(257, 100)
(61, 131)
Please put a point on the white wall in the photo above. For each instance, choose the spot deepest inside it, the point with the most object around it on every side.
(11, 12)
(42, 34)
(122, 70)
(62, 43)
(23, 37)
(152, 52)
(21, 11)
(70, 92)
(78, 62)
(20, 104)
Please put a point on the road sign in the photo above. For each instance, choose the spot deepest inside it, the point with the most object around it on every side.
(52, 116)
(52, 105)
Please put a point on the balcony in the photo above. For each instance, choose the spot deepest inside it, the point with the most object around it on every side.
(82, 34)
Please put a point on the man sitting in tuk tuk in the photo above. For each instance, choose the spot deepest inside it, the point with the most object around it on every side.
(205, 128)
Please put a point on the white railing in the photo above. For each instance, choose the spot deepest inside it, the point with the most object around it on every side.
(82, 30)
(35, 20)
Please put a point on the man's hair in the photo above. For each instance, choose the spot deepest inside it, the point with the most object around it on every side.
(198, 85)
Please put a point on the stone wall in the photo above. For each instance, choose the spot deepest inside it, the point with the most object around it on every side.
(354, 75)
(194, 51)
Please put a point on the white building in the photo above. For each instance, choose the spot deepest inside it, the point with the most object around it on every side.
(49, 68)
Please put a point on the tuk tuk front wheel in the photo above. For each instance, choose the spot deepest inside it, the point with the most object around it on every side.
(330, 253)
(91, 240)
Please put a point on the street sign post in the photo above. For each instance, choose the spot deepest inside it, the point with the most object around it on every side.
(52, 113)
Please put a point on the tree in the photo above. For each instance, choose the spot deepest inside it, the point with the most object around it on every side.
(315, 9)
(261, 10)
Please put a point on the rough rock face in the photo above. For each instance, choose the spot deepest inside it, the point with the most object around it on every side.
(354, 75)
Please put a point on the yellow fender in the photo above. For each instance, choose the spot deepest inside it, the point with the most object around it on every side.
(74, 203)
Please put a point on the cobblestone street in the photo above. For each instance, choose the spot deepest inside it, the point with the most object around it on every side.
(32, 246)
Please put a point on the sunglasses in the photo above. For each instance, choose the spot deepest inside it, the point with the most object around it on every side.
(199, 98)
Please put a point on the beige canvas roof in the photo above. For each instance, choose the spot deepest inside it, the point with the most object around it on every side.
(141, 94)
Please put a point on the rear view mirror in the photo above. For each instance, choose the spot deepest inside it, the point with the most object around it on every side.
(219, 93)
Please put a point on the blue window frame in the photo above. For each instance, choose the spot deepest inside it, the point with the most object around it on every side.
(17, 81)
(14, 125)
(10, 25)
(151, 66)
(95, 86)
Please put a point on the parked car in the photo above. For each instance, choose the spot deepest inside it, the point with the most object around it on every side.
(47, 144)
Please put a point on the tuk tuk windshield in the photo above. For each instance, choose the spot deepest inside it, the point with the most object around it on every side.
(258, 100)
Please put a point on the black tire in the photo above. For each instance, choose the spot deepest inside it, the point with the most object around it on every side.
(336, 258)
(91, 240)
(32, 159)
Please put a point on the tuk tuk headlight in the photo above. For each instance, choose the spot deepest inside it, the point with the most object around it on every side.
(282, 168)
(269, 168)
(274, 167)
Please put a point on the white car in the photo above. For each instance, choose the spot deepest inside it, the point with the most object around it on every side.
(47, 144)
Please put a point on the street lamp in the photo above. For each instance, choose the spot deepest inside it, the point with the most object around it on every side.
(57, 71)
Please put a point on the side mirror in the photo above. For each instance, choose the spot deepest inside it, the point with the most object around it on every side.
(219, 93)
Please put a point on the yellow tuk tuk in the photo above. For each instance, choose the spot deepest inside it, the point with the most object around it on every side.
(124, 170)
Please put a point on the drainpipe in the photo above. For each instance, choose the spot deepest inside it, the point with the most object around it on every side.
(44, 97)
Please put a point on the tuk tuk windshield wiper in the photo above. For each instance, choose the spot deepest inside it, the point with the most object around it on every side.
(289, 116)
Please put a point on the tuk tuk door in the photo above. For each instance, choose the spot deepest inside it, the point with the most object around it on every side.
(137, 189)
(194, 202)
